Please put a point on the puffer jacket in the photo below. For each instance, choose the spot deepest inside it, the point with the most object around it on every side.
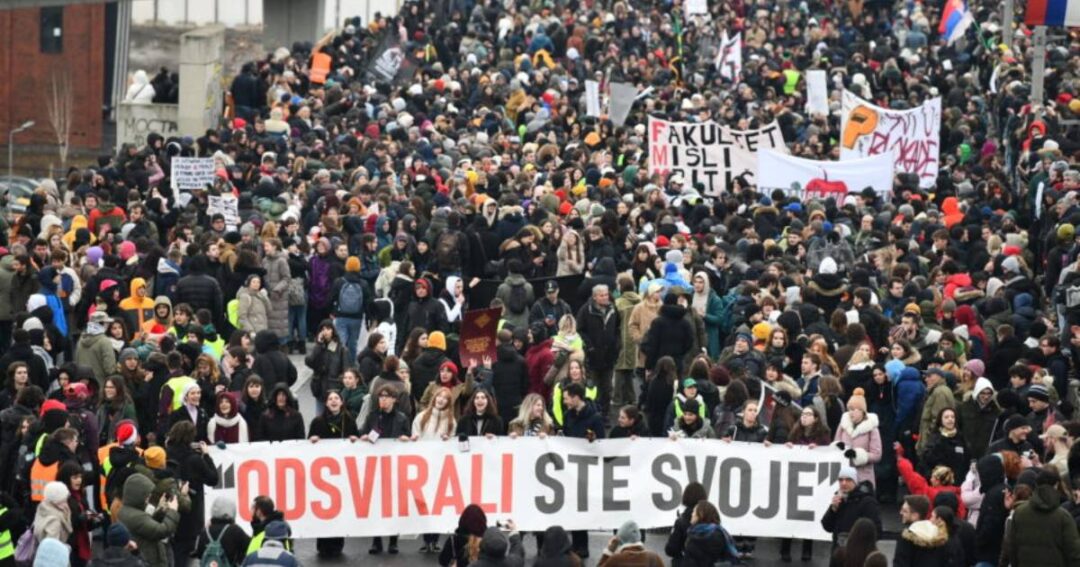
(96, 352)
(865, 440)
(923, 544)
(277, 287)
(272, 365)
(148, 532)
(253, 310)
(326, 366)
(1042, 533)
(278, 424)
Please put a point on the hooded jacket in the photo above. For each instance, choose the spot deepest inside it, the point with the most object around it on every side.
(327, 362)
(252, 309)
(138, 310)
(95, 351)
(978, 420)
(280, 424)
(707, 544)
(923, 544)
(272, 365)
(1042, 533)
(505, 293)
(148, 532)
(670, 334)
(498, 550)
(859, 503)
(990, 528)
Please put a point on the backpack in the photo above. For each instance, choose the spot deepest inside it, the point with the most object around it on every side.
(297, 294)
(351, 299)
(448, 250)
(214, 555)
(26, 548)
(518, 300)
(727, 312)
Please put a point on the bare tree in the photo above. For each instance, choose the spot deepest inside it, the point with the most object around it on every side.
(60, 104)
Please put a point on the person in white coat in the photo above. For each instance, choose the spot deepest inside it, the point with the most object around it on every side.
(140, 91)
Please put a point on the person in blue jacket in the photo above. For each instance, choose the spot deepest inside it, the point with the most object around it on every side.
(908, 393)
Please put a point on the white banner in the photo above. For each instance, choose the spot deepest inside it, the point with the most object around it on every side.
(592, 98)
(192, 173)
(911, 137)
(335, 488)
(822, 179)
(817, 92)
(621, 97)
(708, 152)
(729, 57)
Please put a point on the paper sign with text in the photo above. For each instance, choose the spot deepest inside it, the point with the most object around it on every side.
(192, 173)
(708, 152)
(911, 137)
(824, 179)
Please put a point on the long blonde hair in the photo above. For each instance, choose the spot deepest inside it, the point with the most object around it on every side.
(524, 416)
(448, 413)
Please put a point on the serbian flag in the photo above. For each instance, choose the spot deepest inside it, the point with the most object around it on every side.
(1052, 13)
(955, 19)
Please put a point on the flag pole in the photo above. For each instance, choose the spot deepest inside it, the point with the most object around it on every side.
(1038, 67)
(1007, 23)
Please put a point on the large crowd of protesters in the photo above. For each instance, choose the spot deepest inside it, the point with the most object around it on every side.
(932, 335)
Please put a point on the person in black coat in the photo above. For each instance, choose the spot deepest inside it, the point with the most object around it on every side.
(272, 365)
(196, 468)
(201, 291)
(481, 417)
(851, 502)
(424, 310)
(990, 528)
(511, 376)
(328, 359)
(234, 541)
(581, 420)
(282, 421)
(371, 359)
(21, 351)
(598, 323)
(334, 423)
(670, 334)
(707, 542)
(631, 423)
(603, 273)
(191, 411)
(385, 423)
(676, 543)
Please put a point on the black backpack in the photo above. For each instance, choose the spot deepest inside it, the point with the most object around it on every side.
(519, 299)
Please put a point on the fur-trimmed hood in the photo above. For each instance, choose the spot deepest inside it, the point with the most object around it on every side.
(927, 534)
(866, 426)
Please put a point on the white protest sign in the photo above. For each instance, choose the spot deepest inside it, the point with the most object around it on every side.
(694, 7)
(592, 98)
(622, 97)
(817, 92)
(225, 205)
(911, 137)
(192, 173)
(822, 179)
(729, 57)
(708, 152)
(335, 488)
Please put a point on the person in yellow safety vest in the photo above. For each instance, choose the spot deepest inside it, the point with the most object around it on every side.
(11, 521)
(575, 373)
(262, 513)
(126, 452)
(57, 450)
(172, 395)
(675, 410)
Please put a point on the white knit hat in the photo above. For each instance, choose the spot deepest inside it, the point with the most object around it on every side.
(56, 492)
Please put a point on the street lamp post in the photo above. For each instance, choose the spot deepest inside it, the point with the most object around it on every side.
(11, 144)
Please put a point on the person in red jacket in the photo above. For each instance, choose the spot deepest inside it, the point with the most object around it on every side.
(538, 359)
(941, 480)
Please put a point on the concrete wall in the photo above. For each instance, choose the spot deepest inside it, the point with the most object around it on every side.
(202, 56)
(232, 13)
(135, 121)
(28, 73)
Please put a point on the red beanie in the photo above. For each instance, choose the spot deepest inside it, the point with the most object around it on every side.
(565, 208)
(662, 241)
(50, 405)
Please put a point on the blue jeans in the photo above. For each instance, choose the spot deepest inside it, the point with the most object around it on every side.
(348, 329)
(298, 322)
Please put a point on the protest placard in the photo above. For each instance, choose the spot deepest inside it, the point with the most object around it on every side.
(911, 137)
(337, 488)
(192, 173)
(592, 98)
(621, 98)
(478, 330)
(729, 58)
(709, 153)
(226, 205)
(823, 179)
(817, 92)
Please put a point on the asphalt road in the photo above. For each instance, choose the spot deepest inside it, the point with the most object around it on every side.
(356, 549)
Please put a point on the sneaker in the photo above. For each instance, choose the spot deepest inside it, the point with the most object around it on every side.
(392, 549)
(426, 548)
(435, 548)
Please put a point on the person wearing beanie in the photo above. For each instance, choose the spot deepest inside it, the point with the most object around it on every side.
(119, 552)
(625, 549)
(1043, 414)
(939, 397)
(424, 311)
(1017, 430)
(223, 529)
(425, 369)
(859, 437)
(855, 500)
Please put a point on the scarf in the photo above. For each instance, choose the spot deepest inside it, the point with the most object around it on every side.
(227, 429)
